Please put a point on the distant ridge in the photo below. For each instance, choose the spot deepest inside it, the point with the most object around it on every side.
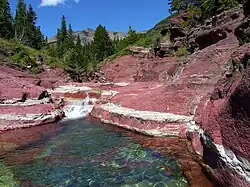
(87, 36)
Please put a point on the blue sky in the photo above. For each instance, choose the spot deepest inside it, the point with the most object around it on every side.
(114, 14)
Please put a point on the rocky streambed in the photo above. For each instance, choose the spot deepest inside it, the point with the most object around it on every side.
(88, 153)
(196, 108)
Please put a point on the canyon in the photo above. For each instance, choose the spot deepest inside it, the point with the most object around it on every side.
(202, 98)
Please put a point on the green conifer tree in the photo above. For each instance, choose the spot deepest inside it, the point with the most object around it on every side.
(39, 41)
(62, 37)
(71, 37)
(178, 5)
(20, 21)
(31, 30)
(102, 44)
(78, 42)
(6, 27)
(132, 36)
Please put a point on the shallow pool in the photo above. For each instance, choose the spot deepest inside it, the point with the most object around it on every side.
(88, 153)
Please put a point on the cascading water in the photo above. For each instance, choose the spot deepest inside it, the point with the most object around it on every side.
(78, 108)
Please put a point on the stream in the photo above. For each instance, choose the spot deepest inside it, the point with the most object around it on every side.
(84, 152)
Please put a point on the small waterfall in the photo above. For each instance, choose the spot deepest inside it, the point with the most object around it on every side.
(78, 108)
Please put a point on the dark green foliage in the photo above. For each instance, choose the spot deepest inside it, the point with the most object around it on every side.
(182, 52)
(23, 28)
(6, 27)
(30, 26)
(212, 7)
(132, 36)
(70, 37)
(62, 37)
(38, 42)
(178, 5)
(33, 37)
(207, 8)
(24, 56)
(156, 42)
(132, 39)
(20, 21)
(79, 60)
(102, 45)
(78, 42)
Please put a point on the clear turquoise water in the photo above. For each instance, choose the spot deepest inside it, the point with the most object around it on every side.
(87, 153)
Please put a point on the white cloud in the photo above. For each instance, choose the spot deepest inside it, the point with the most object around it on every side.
(54, 2)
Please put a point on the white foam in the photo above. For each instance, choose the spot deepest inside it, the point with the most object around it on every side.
(78, 109)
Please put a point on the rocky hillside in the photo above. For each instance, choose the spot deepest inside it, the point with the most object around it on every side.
(87, 36)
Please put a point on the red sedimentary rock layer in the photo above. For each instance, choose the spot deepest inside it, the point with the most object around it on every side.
(21, 100)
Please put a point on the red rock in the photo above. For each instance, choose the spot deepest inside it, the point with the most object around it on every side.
(226, 177)
(14, 85)
(34, 109)
(19, 86)
(198, 84)
(94, 95)
(196, 141)
(148, 127)
(79, 95)
(122, 69)
(221, 118)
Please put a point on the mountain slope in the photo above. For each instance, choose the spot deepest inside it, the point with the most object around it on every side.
(87, 36)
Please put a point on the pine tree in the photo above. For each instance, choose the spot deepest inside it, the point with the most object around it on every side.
(63, 31)
(71, 38)
(38, 40)
(132, 36)
(102, 44)
(6, 27)
(20, 21)
(62, 37)
(178, 5)
(31, 30)
(78, 42)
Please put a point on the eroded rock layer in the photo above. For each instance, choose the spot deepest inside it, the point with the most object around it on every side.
(24, 102)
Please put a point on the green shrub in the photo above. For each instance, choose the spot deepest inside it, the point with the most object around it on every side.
(25, 57)
(182, 52)
(123, 52)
